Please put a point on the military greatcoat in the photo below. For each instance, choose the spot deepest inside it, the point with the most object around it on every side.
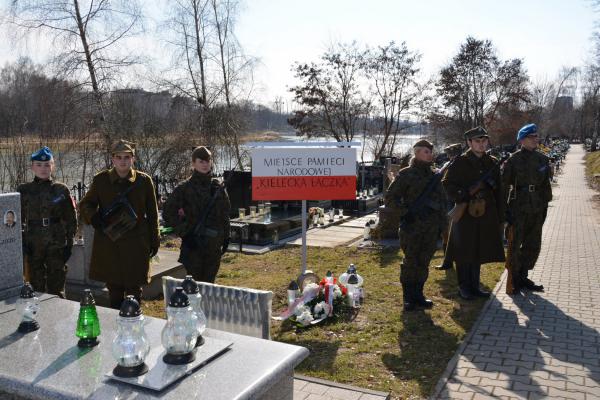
(125, 261)
(475, 240)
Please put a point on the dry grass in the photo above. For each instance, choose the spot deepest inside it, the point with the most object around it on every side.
(382, 347)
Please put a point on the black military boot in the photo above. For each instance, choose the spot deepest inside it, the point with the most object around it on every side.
(529, 284)
(475, 288)
(464, 281)
(444, 266)
(408, 295)
(420, 298)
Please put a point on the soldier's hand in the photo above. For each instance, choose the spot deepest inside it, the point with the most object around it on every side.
(225, 246)
(97, 221)
(153, 251)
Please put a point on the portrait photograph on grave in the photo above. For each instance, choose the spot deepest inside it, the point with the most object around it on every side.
(10, 219)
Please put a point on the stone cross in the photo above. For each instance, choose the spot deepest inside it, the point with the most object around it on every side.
(11, 248)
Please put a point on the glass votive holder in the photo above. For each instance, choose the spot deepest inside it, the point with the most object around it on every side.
(252, 211)
(242, 212)
(341, 213)
(261, 209)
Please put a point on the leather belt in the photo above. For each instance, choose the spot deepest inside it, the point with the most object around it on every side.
(43, 222)
(527, 188)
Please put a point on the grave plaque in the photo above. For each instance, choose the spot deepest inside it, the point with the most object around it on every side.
(11, 249)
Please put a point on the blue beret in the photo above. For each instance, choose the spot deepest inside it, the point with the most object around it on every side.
(526, 131)
(43, 154)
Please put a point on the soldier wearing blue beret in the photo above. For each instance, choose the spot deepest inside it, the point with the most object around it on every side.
(526, 180)
(49, 224)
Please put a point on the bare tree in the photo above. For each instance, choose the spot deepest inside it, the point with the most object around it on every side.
(391, 70)
(476, 85)
(329, 95)
(86, 35)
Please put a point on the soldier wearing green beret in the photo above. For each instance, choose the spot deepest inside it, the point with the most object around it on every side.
(49, 224)
(474, 180)
(121, 206)
(526, 178)
(418, 241)
(198, 210)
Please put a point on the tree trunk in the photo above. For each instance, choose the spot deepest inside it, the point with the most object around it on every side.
(596, 128)
(95, 89)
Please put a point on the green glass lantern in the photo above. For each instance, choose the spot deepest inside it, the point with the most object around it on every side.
(88, 324)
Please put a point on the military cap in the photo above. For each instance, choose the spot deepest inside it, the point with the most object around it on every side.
(424, 143)
(453, 149)
(202, 153)
(526, 131)
(476, 132)
(43, 154)
(123, 146)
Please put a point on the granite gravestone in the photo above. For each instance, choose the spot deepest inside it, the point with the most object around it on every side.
(11, 249)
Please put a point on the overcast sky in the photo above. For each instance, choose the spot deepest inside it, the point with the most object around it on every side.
(547, 34)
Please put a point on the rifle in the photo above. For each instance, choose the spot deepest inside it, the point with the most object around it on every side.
(417, 208)
(510, 235)
(459, 208)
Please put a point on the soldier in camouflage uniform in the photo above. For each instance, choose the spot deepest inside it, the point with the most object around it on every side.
(200, 201)
(49, 223)
(526, 178)
(418, 240)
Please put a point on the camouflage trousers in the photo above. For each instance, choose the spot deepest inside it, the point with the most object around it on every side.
(202, 264)
(527, 241)
(47, 269)
(418, 248)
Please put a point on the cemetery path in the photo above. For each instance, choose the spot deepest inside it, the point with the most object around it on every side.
(542, 345)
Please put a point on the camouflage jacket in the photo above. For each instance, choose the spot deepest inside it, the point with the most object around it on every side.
(187, 204)
(526, 182)
(45, 202)
(408, 185)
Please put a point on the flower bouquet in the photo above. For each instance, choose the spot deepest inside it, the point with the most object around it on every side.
(317, 302)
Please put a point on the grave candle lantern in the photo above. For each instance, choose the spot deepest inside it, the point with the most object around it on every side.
(179, 334)
(88, 324)
(130, 347)
(28, 306)
(190, 287)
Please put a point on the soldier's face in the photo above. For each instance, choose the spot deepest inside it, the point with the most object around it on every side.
(202, 166)
(42, 169)
(423, 154)
(10, 219)
(123, 162)
(530, 142)
(479, 145)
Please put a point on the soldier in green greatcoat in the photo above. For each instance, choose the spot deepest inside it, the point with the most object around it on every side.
(121, 206)
(526, 178)
(473, 180)
(419, 238)
(198, 210)
(49, 224)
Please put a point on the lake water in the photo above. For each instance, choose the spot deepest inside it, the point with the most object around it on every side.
(69, 168)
